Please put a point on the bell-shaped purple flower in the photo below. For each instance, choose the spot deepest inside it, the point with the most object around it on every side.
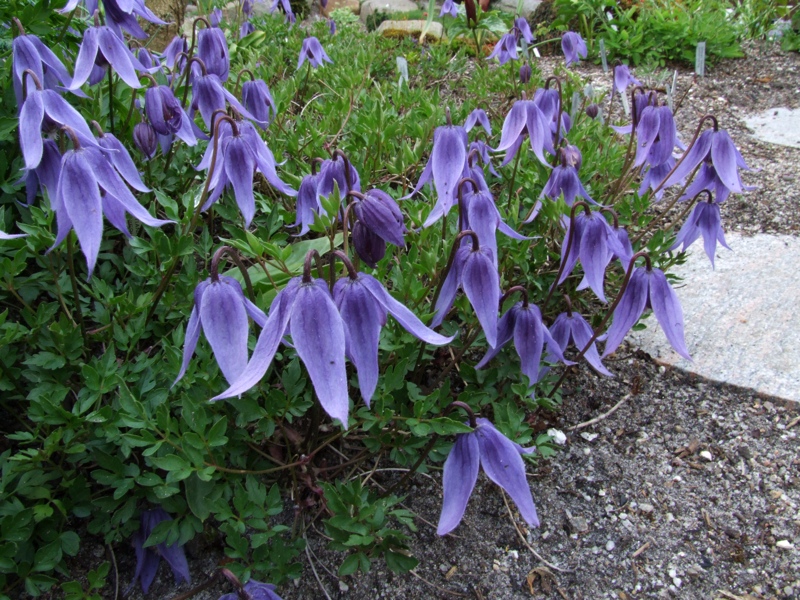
(148, 558)
(340, 171)
(379, 212)
(306, 307)
(656, 136)
(246, 29)
(564, 178)
(473, 270)
(364, 303)
(215, 17)
(308, 205)
(449, 8)
(704, 220)
(28, 52)
(502, 462)
(525, 73)
(257, 98)
(526, 118)
(255, 590)
(172, 52)
(145, 139)
(523, 30)
(45, 175)
(572, 326)
(286, 7)
(220, 311)
(505, 49)
(209, 95)
(312, 52)
(708, 179)
(523, 322)
(166, 115)
(648, 288)
(101, 42)
(478, 117)
(445, 166)
(368, 245)
(622, 79)
(212, 49)
(573, 46)
(480, 214)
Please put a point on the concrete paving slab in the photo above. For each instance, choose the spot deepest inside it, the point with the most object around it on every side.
(776, 126)
(742, 320)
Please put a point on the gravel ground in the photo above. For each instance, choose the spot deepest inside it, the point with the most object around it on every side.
(688, 490)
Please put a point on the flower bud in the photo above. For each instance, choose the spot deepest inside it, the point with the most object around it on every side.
(592, 111)
(368, 245)
(145, 139)
(525, 73)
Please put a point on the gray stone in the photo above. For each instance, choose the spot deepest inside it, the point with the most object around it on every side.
(510, 6)
(389, 7)
(353, 5)
(740, 319)
(403, 28)
(777, 126)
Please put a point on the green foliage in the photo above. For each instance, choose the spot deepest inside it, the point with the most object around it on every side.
(653, 32)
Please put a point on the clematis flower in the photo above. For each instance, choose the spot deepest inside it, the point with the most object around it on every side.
(502, 462)
(28, 52)
(573, 46)
(716, 148)
(708, 179)
(654, 175)
(363, 304)
(308, 204)
(526, 118)
(656, 136)
(101, 43)
(640, 102)
(215, 17)
(312, 52)
(505, 49)
(572, 326)
(622, 79)
(45, 175)
(472, 269)
(255, 590)
(449, 8)
(523, 323)
(378, 216)
(220, 311)
(525, 73)
(257, 98)
(286, 7)
(240, 153)
(209, 95)
(148, 558)
(79, 204)
(648, 288)
(145, 139)
(445, 166)
(212, 49)
(331, 27)
(338, 170)
(478, 117)
(481, 150)
(592, 239)
(523, 30)
(704, 220)
(246, 29)
(564, 178)
(172, 52)
(166, 115)
(120, 15)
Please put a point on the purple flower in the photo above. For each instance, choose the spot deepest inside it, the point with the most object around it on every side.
(656, 136)
(103, 45)
(708, 179)
(473, 269)
(286, 7)
(79, 204)
(220, 311)
(525, 73)
(654, 175)
(363, 304)
(564, 178)
(478, 117)
(147, 559)
(341, 171)
(623, 78)
(313, 53)
(212, 49)
(318, 335)
(502, 462)
(177, 46)
(481, 150)
(526, 118)
(120, 15)
(255, 590)
(715, 147)
(240, 153)
(505, 49)
(480, 214)
(523, 323)
(331, 27)
(215, 17)
(705, 220)
(257, 98)
(145, 139)
(45, 175)
(592, 241)
(449, 8)
(573, 46)
(523, 30)
(29, 52)
(572, 326)
(209, 95)
(648, 288)
(166, 114)
(246, 29)
(308, 205)
(380, 218)
(445, 166)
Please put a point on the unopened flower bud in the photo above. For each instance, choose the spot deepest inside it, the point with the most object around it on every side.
(368, 245)
(525, 73)
(145, 139)
(592, 111)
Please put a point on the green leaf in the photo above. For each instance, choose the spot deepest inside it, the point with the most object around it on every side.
(400, 563)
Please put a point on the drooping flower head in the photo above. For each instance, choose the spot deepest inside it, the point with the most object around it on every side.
(28, 52)
(647, 287)
(705, 221)
(656, 136)
(257, 98)
(573, 46)
(502, 462)
(148, 558)
(526, 118)
(286, 7)
(212, 49)
(623, 78)
(312, 52)
(377, 216)
(166, 115)
(564, 179)
(209, 95)
(478, 117)
(145, 139)
(449, 8)
(572, 326)
(505, 49)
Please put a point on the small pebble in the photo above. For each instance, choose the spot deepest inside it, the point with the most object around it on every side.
(610, 545)
(707, 455)
(785, 545)
(646, 508)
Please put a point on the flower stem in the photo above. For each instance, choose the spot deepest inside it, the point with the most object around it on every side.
(74, 281)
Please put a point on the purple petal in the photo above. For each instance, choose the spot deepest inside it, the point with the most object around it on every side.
(724, 157)
(693, 157)
(118, 55)
(192, 330)
(503, 464)
(224, 323)
(668, 311)
(123, 162)
(86, 55)
(80, 197)
(30, 129)
(146, 562)
(239, 167)
(581, 334)
(318, 335)
(646, 133)
(529, 340)
(594, 251)
(448, 157)
(481, 284)
(458, 480)
(505, 331)
(628, 311)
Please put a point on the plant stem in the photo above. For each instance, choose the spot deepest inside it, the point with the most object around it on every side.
(74, 280)
(111, 100)
(511, 187)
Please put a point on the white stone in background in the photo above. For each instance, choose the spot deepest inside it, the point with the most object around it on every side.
(389, 7)
(741, 321)
(776, 126)
(510, 6)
